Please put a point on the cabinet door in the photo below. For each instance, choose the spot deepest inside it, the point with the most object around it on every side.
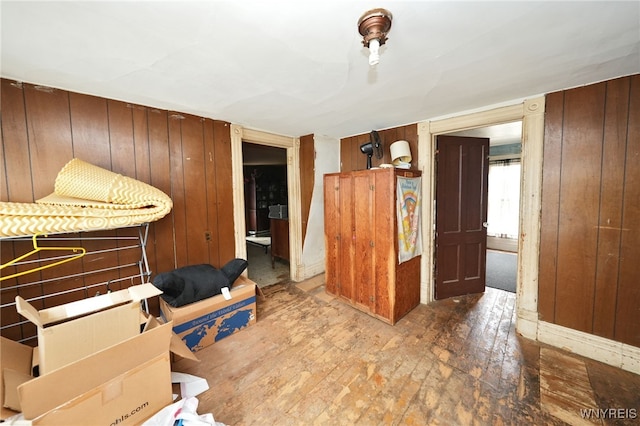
(364, 233)
(346, 238)
(331, 232)
(280, 239)
(385, 257)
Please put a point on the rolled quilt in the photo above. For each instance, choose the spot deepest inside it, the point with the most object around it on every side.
(85, 198)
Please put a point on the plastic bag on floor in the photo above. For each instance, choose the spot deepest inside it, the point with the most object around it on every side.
(183, 413)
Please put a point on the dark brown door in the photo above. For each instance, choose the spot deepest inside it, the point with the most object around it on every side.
(461, 212)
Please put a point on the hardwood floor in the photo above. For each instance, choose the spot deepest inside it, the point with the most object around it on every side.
(260, 268)
(312, 359)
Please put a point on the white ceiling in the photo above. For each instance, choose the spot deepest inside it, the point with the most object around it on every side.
(297, 68)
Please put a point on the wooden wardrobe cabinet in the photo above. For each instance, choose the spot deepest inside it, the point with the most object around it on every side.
(361, 242)
(279, 240)
(256, 207)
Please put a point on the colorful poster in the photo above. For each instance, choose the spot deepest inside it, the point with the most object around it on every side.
(408, 213)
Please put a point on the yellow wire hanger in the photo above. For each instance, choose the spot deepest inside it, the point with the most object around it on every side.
(37, 249)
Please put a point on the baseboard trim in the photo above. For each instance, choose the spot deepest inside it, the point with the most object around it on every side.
(608, 351)
(503, 244)
(527, 324)
(311, 270)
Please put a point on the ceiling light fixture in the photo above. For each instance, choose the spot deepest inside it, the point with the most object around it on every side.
(373, 26)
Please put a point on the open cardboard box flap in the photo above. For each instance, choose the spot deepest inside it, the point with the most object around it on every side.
(17, 361)
(85, 306)
(74, 330)
(176, 345)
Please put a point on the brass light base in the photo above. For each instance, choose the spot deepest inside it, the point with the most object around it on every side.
(375, 24)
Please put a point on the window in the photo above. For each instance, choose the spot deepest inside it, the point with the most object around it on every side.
(504, 198)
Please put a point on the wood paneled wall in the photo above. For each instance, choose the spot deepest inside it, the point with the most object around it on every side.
(590, 230)
(187, 157)
(307, 178)
(351, 158)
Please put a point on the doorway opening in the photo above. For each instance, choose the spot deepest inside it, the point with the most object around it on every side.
(531, 113)
(266, 213)
(503, 219)
(503, 215)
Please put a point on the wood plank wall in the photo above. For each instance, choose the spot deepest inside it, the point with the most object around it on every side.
(590, 230)
(351, 158)
(307, 178)
(187, 157)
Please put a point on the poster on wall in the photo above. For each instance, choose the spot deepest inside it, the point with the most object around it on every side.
(408, 214)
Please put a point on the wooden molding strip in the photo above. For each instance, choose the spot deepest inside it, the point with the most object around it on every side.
(610, 352)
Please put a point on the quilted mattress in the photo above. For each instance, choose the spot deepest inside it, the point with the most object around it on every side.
(86, 197)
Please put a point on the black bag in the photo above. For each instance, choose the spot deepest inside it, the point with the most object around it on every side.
(193, 283)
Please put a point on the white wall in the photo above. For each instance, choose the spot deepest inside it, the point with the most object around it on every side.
(327, 160)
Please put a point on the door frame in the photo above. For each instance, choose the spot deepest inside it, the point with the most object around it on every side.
(239, 135)
(531, 113)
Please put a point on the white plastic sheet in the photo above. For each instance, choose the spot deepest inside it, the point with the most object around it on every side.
(183, 413)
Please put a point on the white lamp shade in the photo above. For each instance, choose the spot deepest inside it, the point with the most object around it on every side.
(400, 152)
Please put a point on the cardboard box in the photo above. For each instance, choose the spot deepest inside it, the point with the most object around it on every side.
(205, 322)
(17, 365)
(69, 332)
(122, 382)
